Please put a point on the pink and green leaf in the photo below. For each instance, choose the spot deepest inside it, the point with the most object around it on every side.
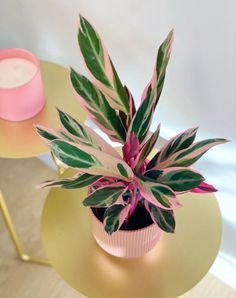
(85, 135)
(101, 67)
(147, 148)
(142, 119)
(186, 157)
(98, 108)
(104, 197)
(114, 217)
(163, 218)
(79, 181)
(177, 143)
(180, 179)
(158, 194)
(90, 160)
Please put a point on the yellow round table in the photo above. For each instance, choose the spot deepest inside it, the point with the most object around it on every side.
(174, 266)
(19, 139)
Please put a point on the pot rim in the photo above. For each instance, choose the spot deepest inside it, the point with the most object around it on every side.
(124, 231)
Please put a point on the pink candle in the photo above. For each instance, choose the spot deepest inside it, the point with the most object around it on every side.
(21, 88)
(15, 72)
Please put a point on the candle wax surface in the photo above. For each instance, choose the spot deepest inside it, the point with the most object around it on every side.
(15, 72)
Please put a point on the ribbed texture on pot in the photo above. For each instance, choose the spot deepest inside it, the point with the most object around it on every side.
(125, 244)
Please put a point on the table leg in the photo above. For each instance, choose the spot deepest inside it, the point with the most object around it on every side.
(12, 231)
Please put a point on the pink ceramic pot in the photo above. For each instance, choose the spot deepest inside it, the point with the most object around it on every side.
(24, 101)
(125, 244)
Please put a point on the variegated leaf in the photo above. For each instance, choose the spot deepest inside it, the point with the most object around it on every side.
(186, 157)
(163, 218)
(85, 135)
(180, 179)
(104, 197)
(142, 119)
(156, 193)
(79, 181)
(92, 161)
(101, 67)
(98, 107)
(147, 148)
(177, 143)
(127, 118)
(112, 218)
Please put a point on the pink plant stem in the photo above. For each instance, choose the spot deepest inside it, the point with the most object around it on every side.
(134, 203)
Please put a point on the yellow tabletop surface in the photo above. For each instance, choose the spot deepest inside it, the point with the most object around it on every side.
(177, 263)
(19, 139)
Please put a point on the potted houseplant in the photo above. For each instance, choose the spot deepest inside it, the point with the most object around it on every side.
(132, 198)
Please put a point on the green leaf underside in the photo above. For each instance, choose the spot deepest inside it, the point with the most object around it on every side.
(122, 170)
(98, 106)
(181, 180)
(163, 218)
(93, 53)
(73, 156)
(111, 218)
(103, 197)
(79, 182)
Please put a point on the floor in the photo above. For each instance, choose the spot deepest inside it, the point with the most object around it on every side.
(20, 280)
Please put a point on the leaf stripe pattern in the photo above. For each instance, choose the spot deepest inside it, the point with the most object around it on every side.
(158, 194)
(85, 135)
(98, 107)
(95, 162)
(180, 179)
(163, 218)
(72, 183)
(142, 119)
(104, 197)
(111, 220)
(186, 157)
(101, 67)
(147, 148)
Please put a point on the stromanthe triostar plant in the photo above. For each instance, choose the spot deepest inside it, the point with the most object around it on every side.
(121, 183)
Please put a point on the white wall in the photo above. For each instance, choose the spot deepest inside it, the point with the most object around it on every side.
(200, 87)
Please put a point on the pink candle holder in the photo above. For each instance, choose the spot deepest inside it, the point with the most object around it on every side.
(22, 100)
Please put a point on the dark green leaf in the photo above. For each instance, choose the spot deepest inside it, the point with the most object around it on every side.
(163, 218)
(72, 155)
(46, 134)
(181, 180)
(122, 170)
(79, 182)
(111, 218)
(104, 197)
(96, 58)
(98, 107)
